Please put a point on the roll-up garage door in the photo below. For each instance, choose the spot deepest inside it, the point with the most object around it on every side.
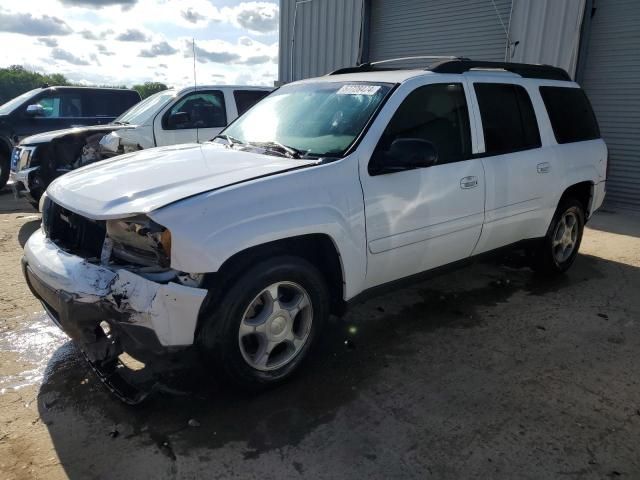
(611, 79)
(469, 28)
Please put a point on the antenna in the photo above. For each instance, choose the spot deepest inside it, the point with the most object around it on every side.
(193, 47)
(195, 82)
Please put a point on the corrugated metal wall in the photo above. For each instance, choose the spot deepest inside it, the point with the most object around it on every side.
(327, 37)
(612, 81)
(469, 28)
(546, 31)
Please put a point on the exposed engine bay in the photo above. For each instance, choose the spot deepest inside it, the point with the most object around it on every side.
(47, 161)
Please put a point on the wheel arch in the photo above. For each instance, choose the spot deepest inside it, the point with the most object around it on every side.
(319, 249)
(5, 146)
(581, 191)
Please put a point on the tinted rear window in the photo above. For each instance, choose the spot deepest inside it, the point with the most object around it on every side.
(109, 103)
(245, 99)
(508, 120)
(571, 115)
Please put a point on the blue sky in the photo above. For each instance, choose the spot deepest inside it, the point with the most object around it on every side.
(122, 42)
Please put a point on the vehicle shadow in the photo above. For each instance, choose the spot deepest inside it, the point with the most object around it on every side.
(26, 230)
(95, 435)
(10, 204)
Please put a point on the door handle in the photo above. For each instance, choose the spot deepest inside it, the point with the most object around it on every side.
(469, 182)
(544, 167)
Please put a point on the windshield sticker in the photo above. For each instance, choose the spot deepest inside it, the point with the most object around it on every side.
(358, 89)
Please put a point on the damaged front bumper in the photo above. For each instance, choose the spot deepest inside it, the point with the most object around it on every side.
(110, 311)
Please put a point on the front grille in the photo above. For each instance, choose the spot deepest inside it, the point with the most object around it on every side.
(72, 232)
(23, 158)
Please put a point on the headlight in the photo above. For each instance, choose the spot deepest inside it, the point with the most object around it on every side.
(140, 240)
(111, 142)
(42, 201)
(15, 157)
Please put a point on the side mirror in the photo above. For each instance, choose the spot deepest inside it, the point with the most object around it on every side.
(35, 110)
(405, 154)
(178, 119)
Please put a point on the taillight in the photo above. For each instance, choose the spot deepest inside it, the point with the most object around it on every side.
(606, 171)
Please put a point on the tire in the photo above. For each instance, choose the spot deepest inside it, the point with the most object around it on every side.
(559, 249)
(34, 198)
(5, 167)
(34, 204)
(233, 349)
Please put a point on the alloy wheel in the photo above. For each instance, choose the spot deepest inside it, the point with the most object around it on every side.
(275, 326)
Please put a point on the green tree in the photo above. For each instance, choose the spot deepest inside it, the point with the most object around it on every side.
(16, 80)
(149, 88)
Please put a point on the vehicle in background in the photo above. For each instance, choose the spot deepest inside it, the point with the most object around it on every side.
(169, 117)
(328, 189)
(52, 108)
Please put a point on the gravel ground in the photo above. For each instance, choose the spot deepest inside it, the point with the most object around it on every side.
(486, 372)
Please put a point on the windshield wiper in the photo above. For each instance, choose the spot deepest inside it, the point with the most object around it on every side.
(290, 152)
(118, 122)
(231, 141)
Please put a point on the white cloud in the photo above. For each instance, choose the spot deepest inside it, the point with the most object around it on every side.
(196, 13)
(256, 17)
(104, 50)
(99, 3)
(133, 35)
(95, 35)
(66, 56)
(48, 41)
(158, 50)
(28, 24)
(92, 33)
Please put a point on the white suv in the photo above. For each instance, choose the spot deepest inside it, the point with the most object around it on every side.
(327, 188)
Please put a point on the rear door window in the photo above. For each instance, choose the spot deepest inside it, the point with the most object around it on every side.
(61, 105)
(245, 99)
(508, 120)
(571, 115)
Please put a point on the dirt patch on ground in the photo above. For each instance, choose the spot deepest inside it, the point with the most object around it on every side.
(487, 372)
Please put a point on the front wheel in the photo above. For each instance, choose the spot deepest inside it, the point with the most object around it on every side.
(5, 167)
(266, 323)
(560, 246)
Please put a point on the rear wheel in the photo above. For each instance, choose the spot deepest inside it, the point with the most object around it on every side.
(561, 244)
(266, 323)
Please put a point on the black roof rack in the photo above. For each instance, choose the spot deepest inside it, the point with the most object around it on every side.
(525, 70)
(369, 66)
(461, 65)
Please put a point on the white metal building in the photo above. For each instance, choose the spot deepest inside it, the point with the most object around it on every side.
(596, 41)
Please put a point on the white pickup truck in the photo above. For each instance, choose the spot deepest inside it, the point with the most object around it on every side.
(169, 117)
(324, 190)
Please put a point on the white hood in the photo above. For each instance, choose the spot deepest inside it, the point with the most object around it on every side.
(149, 179)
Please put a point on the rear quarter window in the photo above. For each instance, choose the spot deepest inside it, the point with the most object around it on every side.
(245, 99)
(570, 113)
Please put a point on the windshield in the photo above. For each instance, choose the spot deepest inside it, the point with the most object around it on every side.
(141, 112)
(317, 119)
(11, 105)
